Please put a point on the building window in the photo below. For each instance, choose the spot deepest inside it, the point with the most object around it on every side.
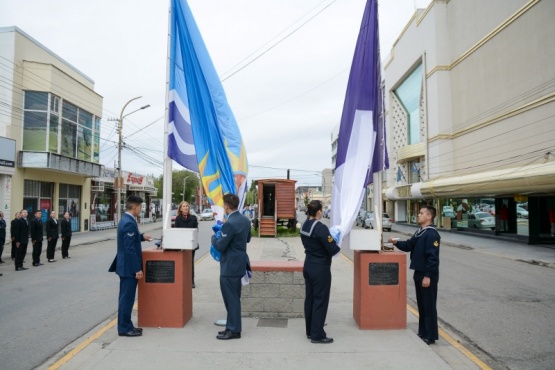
(414, 172)
(72, 131)
(37, 195)
(409, 94)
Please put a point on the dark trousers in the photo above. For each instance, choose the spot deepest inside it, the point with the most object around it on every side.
(51, 249)
(231, 292)
(127, 289)
(2, 242)
(317, 280)
(21, 251)
(65, 246)
(14, 250)
(426, 299)
(37, 250)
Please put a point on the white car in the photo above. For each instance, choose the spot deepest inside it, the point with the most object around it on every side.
(481, 220)
(521, 212)
(386, 221)
(207, 214)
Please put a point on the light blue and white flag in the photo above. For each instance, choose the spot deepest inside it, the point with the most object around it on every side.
(361, 149)
(203, 135)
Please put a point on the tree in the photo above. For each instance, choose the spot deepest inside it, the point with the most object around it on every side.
(184, 185)
(252, 194)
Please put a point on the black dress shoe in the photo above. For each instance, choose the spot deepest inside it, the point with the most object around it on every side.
(229, 335)
(66, 257)
(325, 340)
(140, 330)
(222, 332)
(21, 269)
(51, 260)
(428, 341)
(131, 333)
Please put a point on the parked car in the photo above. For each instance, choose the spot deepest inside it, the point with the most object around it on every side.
(361, 217)
(369, 222)
(481, 220)
(521, 212)
(207, 214)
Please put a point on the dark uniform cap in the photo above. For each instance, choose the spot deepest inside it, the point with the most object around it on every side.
(134, 199)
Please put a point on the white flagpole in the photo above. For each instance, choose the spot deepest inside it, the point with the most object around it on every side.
(167, 172)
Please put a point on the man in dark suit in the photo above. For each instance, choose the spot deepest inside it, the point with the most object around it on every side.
(52, 236)
(2, 234)
(234, 263)
(128, 265)
(12, 234)
(21, 234)
(36, 237)
(66, 235)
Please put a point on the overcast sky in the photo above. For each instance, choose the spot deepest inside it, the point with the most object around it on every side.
(286, 102)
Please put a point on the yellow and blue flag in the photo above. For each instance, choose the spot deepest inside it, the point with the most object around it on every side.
(203, 135)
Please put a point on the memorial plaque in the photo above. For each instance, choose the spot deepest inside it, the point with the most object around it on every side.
(386, 273)
(160, 272)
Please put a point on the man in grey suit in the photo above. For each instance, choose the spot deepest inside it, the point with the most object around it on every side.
(234, 263)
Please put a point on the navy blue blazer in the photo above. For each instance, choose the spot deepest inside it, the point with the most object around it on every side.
(129, 258)
(236, 233)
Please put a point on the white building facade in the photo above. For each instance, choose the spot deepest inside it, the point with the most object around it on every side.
(470, 96)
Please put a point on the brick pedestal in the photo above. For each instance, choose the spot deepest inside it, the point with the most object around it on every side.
(379, 303)
(163, 303)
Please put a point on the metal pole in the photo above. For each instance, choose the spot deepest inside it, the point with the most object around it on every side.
(120, 125)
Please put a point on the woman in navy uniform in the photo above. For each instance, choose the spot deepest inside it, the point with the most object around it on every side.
(319, 248)
(186, 220)
(424, 260)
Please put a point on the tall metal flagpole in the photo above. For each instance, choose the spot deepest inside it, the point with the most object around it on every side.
(167, 171)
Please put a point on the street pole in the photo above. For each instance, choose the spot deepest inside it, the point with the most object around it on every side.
(184, 182)
(120, 126)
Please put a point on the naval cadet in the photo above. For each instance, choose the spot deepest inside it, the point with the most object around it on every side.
(319, 248)
(424, 260)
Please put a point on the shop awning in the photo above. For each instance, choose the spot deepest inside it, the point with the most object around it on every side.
(537, 178)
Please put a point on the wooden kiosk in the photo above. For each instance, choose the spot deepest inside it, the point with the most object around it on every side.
(276, 205)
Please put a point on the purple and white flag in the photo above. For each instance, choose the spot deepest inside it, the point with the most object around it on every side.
(361, 149)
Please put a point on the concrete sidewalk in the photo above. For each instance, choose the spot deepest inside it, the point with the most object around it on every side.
(262, 346)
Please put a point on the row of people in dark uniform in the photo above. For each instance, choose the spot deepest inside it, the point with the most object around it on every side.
(26, 229)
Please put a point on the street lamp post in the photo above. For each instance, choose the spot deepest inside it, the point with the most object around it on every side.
(120, 126)
(184, 183)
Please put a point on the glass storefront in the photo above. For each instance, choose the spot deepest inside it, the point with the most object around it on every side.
(70, 199)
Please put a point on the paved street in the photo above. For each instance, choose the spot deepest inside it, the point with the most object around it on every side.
(45, 308)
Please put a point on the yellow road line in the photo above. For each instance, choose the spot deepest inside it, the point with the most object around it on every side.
(95, 336)
(472, 357)
(82, 346)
